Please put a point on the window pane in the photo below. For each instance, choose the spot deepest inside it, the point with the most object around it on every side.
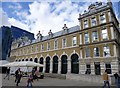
(96, 51)
(86, 38)
(85, 24)
(102, 18)
(95, 36)
(108, 68)
(74, 41)
(106, 51)
(104, 34)
(87, 52)
(94, 22)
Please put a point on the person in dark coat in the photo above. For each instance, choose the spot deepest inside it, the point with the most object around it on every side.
(7, 73)
(116, 77)
(18, 77)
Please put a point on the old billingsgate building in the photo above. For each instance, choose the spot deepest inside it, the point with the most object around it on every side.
(89, 48)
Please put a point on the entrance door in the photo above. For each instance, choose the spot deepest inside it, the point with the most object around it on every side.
(97, 68)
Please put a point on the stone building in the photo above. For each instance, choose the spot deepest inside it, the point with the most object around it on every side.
(89, 48)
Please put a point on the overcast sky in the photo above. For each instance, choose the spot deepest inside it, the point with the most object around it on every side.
(43, 15)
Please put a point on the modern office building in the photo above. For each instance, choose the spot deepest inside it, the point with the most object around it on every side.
(89, 48)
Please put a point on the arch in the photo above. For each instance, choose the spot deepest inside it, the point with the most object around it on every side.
(75, 63)
(36, 60)
(47, 69)
(19, 60)
(41, 61)
(26, 60)
(64, 64)
(22, 59)
(55, 64)
(31, 59)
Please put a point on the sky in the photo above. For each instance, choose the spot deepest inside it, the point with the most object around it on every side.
(43, 15)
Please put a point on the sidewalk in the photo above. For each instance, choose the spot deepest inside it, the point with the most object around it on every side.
(49, 82)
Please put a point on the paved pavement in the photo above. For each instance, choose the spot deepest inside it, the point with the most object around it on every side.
(48, 82)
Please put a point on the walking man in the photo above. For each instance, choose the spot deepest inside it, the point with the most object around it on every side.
(7, 73)
(106, 79)
(116, 78)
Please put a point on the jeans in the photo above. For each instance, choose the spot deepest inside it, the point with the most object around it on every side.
(7, 75)
(29, 85)
(118, 83)
(106, 83)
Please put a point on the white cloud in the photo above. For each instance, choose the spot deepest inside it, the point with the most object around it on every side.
(4, 18)
(42, 19)
(18, 24)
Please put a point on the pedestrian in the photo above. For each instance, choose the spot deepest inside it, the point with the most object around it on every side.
(116, 78)
(29, 81)
(106, 79)
(37, 74)
(33, 73)
(7, 73)
(118, 82)
(18, 77)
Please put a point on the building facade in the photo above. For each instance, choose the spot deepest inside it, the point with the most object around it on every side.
(89, 48)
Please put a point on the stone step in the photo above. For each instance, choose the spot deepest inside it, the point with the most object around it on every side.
(53, 75)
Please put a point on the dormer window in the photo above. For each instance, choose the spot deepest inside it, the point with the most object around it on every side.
(102, 18)
(50, 33)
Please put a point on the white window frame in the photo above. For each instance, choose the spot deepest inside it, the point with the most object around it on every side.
(102, 20)
(86, 52)
(74, 41)
(48, 45)
(107, 51)
(94, 38)
(104, 34)
(85, 24)
(93, 20)
(95, 53)
(64, 45)
(85, 38)
(56, 44)
(42, 47)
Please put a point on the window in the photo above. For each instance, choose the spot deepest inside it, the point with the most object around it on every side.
(106, 51)
(85, 24)
(42, 47)
(102, 18)
(94, 22)
(74, 41)
(88, 69)
(48, 46)
(32, 49)
(36, 48)
(55, 44)
(94, 36)
(64, 43)
(104, 34)
(86, 38)
(96, 51)
(108, 68)
(87, 51)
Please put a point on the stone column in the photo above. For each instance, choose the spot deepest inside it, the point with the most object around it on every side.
(102, 65)
(59, 66)
(51, 66)
(69, 67)
(92, 69)
(44, 63)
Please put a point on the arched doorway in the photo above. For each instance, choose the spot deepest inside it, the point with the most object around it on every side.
(41, 62)
(55, 64)
(22, 59)
(47, 70)
(35, 60)
(31, 59)
(64, 64)
(26, 59)
(74, 64)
